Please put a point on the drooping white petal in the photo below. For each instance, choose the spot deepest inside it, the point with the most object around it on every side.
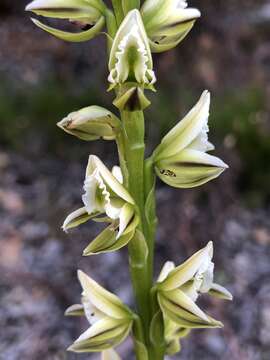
(117, 173)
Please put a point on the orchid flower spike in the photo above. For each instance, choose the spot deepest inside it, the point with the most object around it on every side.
(91, 123)
(178, 289)
(110, 320)
(181, 159)
(167, 22)
(130, 56)
(84, 12)
(105, 194)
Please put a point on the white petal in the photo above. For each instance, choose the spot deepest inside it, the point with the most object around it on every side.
(167, 268)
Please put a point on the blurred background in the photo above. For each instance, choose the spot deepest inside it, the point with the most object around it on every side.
(42, 170)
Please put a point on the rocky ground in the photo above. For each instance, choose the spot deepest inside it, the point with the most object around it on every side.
(38, 263)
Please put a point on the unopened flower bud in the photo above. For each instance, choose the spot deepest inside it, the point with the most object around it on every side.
(91, 123)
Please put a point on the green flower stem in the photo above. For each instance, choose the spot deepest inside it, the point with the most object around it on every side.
(150, 207)
(133, 132)
(118, 10)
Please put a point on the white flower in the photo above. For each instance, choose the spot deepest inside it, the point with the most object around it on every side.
(167, 22)
(130, 57)
(109, 318)
(181, 159)
(179, 287)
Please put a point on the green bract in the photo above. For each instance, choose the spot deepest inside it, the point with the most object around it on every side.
(181, 159)
(130, 56)
(178, 289)
(167, 22)
(91, 123)
(84, 12)
(109, 318)
(104, 194)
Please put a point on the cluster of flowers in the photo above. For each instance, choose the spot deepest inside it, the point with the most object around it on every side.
(180, 160)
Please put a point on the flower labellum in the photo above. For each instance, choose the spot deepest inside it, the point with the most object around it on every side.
(181, 159)
(167, 22)
(84, 12)
(179, 287)
(105, 194)
(110, 320)
(91, 123)
(130, 56)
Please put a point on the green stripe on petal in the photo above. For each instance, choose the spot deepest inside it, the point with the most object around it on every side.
(102, 299)
(77, 218)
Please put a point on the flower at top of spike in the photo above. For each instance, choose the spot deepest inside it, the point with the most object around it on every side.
(110, 320)
(167, 22)
(179, 287)
(181, 159)
(130, 56)
(104, 194)
(83, 12)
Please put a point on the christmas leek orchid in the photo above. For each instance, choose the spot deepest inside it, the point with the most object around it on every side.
(130, 56)
(178, 289)
(124, 198)
(104, 194)
(83, 12)
(110, 320)
(181, 159)
(167, 22)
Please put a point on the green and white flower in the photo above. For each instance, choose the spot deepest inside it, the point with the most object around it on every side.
(181, 159)
(178, 289)
(105, 194)
(91, 123)
(167, 22)
(130, 56)
(83, 12)
(110, 320)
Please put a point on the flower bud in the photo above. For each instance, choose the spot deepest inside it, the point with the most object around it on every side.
(86, 12)
(131, 98)
(178, 289)
(181, 159)
(91, 123)
(167, 22)
(104, 194)
(109, 318)
(130, 56)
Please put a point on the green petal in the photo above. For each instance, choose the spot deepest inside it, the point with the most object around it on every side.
(220, 292)
(104, 334)
(183, 316)
(189, 168)
(73, 37)
(102, 299)
(107, 241)
(185, 272)
(75, 310)
(77, 218)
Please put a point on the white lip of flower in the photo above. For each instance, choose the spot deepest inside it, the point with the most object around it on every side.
(122, 69)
